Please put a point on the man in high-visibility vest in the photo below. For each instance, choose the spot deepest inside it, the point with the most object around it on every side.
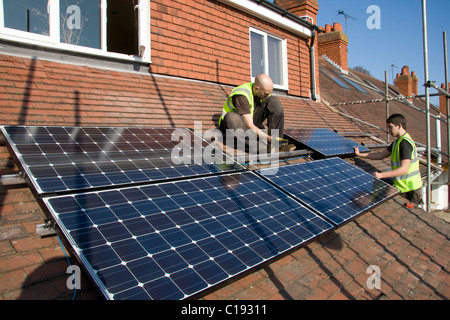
(404, 160)
(249, 105)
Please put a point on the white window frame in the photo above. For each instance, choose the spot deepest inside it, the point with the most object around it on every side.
(284, 62)
(53, 40)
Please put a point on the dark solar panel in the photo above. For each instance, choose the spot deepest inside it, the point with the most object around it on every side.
(75, 158)
(324, 141)
(175, 239)
(334, 188)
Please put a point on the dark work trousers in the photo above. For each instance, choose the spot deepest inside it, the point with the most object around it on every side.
(269, 109)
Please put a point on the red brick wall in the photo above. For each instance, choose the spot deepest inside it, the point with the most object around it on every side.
(209, 40)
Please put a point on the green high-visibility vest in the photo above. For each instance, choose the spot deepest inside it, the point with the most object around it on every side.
(244, 90)
(411, 180)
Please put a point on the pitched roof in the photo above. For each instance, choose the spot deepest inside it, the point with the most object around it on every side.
(408, 244)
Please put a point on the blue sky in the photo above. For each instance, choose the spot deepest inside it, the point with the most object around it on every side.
(399, 40)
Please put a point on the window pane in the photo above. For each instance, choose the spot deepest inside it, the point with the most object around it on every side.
(275, 57)
(27, 15)
(257, 53)
(80, 22)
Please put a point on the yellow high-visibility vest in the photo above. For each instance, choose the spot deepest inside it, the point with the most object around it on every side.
(244, 90)
(411, 180)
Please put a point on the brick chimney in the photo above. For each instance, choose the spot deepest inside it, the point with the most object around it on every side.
(443, 101)
(300, 8)
(334, 44)
(407, 83)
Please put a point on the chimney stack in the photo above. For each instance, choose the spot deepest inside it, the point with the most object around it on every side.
(334, 44)
(443, 101)
(407, 83)
(300, 8)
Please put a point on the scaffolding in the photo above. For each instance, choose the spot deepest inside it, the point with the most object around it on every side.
(439, 118)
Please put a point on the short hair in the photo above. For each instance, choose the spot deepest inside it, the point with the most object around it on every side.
(397, 119)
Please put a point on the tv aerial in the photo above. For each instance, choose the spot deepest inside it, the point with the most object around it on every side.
(346, 16)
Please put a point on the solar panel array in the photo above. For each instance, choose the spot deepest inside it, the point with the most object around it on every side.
(73, 158)
(172, 240)
(324, 141)
(332, 187)
(145, 227)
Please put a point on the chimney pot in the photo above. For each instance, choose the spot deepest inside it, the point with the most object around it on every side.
(327, 28)
(405, 71)
(337, 27)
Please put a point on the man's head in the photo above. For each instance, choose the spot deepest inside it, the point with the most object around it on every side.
(263, 86)
(396, 124)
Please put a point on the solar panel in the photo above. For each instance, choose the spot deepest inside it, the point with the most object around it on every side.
(324, 141)
(332, 187)
(74, 158)
(173, 240)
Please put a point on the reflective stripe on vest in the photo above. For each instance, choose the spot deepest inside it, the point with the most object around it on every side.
(244, 90)
(411, 180)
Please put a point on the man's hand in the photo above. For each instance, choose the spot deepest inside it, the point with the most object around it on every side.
(377, 175)
(356, 150)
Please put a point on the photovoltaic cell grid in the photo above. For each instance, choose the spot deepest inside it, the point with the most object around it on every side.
(74, 158)
(332, 187)
(175, 239)
(324, 141)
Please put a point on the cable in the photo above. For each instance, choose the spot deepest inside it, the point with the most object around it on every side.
(70, 265)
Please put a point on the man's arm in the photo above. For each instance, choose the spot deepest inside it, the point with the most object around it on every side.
(248, 119)
(373, 156)
(376, 156)
(400, 171)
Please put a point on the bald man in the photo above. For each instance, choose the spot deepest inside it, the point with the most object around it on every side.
(249, 105)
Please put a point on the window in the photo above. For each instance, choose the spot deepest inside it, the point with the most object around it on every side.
(116, 28)
(268, 55)
(357, 86)
(334, 77)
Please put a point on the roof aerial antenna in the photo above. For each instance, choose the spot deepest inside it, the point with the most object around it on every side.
(392, 67)
(346, 17)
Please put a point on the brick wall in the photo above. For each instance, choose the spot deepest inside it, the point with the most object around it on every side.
(209, 40)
